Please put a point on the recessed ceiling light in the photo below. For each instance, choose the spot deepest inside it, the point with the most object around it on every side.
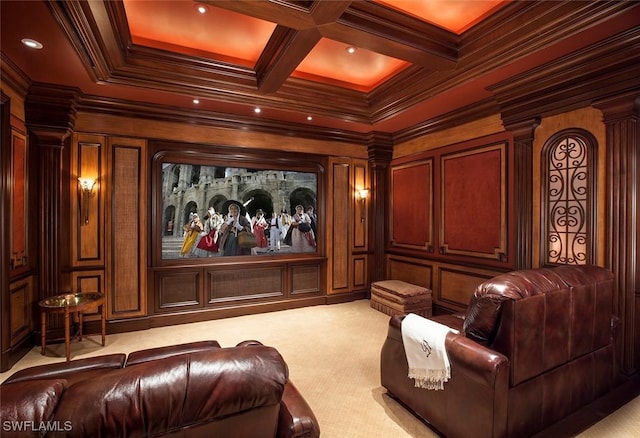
(309, 118)
(196, 101)
(257, 110)
(351, 50)
(32, 43)
(201, 8)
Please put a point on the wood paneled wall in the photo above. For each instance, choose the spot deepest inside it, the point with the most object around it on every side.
(128, 227)
(449, 210)
(108, 247)
(347, 227)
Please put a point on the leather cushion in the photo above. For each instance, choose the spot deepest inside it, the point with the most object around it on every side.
(486, 303)
(171, 350)
(163, 395)
(30, 401)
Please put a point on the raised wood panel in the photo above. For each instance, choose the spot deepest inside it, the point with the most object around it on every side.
(456, 286)
(87, 281)
(244, 284)
(178, 290)
(338, 227)
(19, 203)
(128, 225)
(411, 221)
(305, 279)
(20, 301)
(87, 233)
(360, 272)
(414, 271)
(452, 285)
(474, 202)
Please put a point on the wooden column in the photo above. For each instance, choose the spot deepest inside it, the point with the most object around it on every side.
(5, 230)
(523, 135)
(380, 151)
(50, 117)
(623, 221)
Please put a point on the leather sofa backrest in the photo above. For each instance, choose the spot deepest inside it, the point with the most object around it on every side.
(72, 372)
(156, 353)
(544, 318)
(189, 390)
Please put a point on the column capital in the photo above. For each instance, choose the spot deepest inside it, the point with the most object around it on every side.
(50, 113)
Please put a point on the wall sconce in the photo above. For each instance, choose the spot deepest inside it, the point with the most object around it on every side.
(86, 191)
(362, 194)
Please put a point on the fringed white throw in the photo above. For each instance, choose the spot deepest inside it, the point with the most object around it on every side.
(426, 354)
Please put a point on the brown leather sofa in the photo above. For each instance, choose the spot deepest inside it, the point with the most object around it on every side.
(189, 390)
(534, 346)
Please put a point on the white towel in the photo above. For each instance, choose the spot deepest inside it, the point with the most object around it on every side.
(423, 341)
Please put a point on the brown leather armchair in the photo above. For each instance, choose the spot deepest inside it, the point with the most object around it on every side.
(534, 346)
(196, 389)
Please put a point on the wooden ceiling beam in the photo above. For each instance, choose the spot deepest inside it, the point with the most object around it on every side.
(284, 51)
(375, 27)
(324, 12)
(288, 14)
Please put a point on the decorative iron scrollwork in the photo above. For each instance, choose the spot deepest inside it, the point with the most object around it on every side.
(567, 202)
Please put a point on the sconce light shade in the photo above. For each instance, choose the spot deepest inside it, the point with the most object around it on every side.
(362, 194)
(86, 186)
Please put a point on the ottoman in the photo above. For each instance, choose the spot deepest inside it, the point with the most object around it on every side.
(394, 296)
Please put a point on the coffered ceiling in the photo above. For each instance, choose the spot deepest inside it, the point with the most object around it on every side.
(414, 60)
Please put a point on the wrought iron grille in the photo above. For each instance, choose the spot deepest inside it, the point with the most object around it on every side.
(568, 190)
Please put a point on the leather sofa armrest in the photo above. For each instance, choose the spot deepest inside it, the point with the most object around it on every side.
(296, 418)
(478, 362)
(140, 356)
(25, 405)
(72, 371)
(479, 384)
(467, 356)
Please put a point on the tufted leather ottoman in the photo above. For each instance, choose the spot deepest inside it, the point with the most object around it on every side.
(394, 296)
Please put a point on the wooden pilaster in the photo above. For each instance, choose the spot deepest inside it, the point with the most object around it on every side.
(380, 151)
(523, 135)
(623, 222)
(50, 114)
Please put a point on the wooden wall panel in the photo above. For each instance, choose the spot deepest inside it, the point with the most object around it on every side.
(474, 208)
(452, 285)
(178, 290)
(411, 270)
(19, 202)
(87, 235)
(360, 271)
(456, 286)
(21, 295)
(338, 227)
(87, 281)
(128, 226)
(411, 221)
(305, 279)
(235, 285)
(454, 204)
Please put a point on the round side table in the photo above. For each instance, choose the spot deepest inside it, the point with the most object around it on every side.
(68, 304)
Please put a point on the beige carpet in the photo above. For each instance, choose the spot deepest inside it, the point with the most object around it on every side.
(333, 356)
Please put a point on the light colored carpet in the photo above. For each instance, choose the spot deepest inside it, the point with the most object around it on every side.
(333, 353)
